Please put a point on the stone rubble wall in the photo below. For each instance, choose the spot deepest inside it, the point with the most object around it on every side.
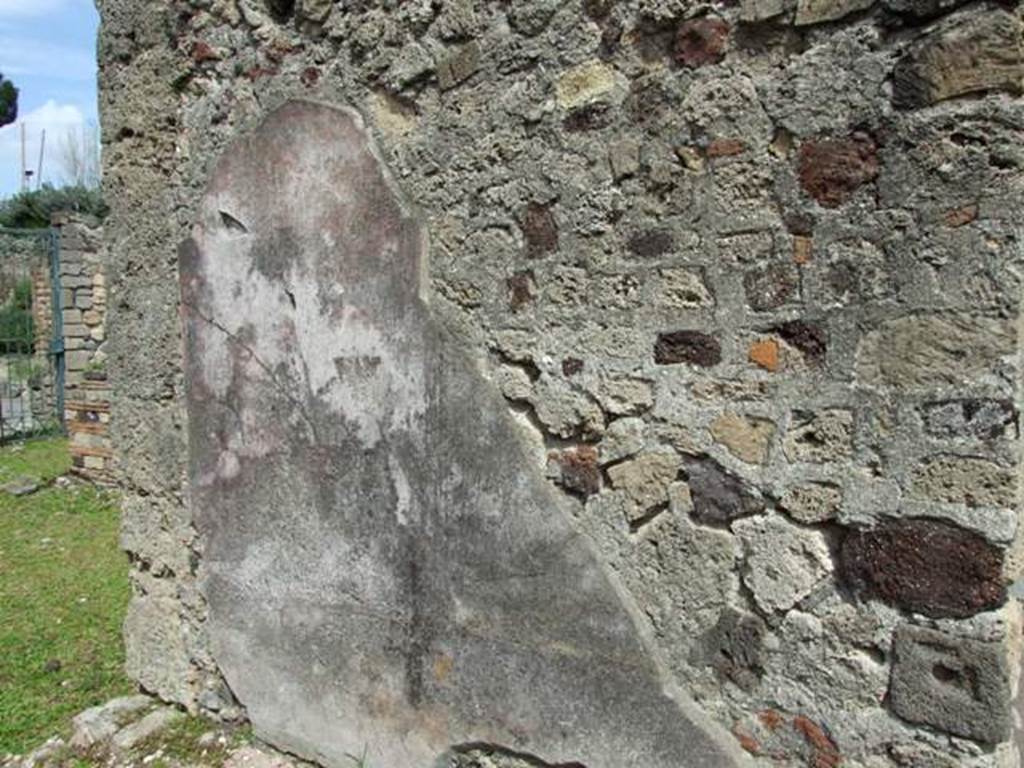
(83, 313)
(749, 276)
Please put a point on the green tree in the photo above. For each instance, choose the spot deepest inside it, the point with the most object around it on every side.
(8, 102)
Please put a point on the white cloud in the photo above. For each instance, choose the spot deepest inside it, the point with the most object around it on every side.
(22, 8)
(57, 120)
(41, 59)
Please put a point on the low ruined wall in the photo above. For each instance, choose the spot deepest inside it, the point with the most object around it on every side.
(746, 276)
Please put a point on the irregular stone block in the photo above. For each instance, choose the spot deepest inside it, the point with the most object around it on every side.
(964, 480)
(765, 353)
(988, 419)
(692, 347)
(584, 84)
(646, 478)
(532, 18)
(522, 289)
(701, 41)
(922, 9)
(817, 11)
(683, 289)
(578, 470)
(934, 350)
(626, 396)
(623, 438)
(651, 243)
(810, 338)
(133, 735)
(831, 170)
(759, 10)
(384, 565)
(624, 158)
(734, 647)
(822, 437)
(783, 562)
(926, 566)
(982, 52)
(745, 437)
(955, 685)
(812, 503)
(540, 230)
(772, 285)
(458, 66)
(718, 495)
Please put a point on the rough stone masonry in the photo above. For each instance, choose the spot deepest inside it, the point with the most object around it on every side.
(612, 383)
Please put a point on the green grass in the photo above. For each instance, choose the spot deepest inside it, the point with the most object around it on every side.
(63, 594)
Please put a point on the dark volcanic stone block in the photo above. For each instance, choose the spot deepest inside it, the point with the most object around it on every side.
(719, 496)
(691, 347)
(950, 683)
(734, 647)
(927, 566)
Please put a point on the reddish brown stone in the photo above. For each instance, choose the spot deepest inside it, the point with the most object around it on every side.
(748, 742)
(521, 289)
(926, 566)
(701, 41)
(692, 347)
(824, 753)
(540, 230)
(202, 51)
(258, 73)
(831, 170)
(579, 470)
(765, 353)
(310, 76)
(726, 148)
(957, 217)
(770, 719)
(571, 366)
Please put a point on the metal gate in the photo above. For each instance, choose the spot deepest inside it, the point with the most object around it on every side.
(31, 334)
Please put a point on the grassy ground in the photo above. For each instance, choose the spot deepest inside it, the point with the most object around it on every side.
(63, 593)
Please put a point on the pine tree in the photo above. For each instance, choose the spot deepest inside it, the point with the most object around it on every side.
(8, 102)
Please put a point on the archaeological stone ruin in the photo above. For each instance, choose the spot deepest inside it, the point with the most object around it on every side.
(601, 384)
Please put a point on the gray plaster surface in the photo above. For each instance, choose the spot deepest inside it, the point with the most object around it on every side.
(385, 569)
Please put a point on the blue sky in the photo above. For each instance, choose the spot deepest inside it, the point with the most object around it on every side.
(48, 48)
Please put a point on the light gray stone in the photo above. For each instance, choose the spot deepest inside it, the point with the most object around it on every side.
(147, 727)
(822, 437)
(97, 724)
(22, 485)
(931, 350)
(957, 685)
(783, 562)
(817, 11)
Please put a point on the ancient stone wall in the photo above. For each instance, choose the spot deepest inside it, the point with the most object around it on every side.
(84, 313)
(747, 277)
